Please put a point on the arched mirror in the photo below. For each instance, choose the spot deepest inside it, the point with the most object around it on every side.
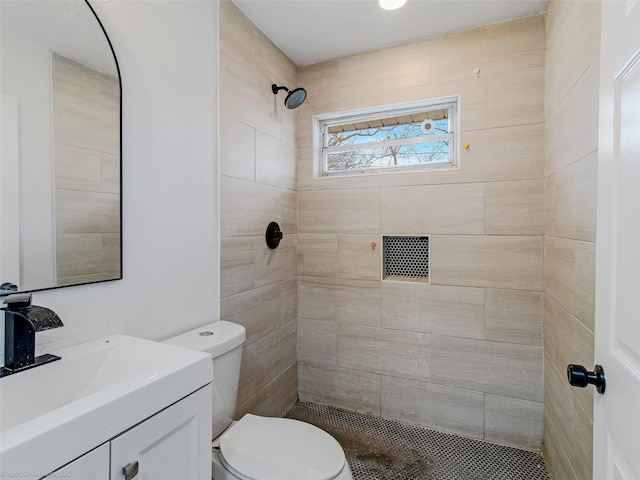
(60, 164)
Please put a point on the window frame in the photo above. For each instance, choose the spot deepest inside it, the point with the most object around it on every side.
(322, 122)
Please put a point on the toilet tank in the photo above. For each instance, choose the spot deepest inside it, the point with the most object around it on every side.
(223, 340)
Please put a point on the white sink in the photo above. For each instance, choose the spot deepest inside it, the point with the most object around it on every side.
(97, 390)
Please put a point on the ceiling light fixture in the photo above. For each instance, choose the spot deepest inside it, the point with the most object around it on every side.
(391, 4)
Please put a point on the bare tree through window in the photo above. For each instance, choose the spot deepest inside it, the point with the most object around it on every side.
(394, 139)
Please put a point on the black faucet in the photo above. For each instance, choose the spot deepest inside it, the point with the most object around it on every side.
(21, 322)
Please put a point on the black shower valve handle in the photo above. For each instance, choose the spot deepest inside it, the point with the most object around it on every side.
(273, 235)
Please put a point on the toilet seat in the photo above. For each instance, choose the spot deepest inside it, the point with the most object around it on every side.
(266, 448)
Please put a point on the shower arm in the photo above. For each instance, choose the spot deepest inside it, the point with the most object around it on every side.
(275, 89)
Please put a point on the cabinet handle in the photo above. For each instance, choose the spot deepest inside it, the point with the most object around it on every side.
(130, 470)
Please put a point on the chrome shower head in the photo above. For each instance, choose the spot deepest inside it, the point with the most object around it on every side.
(294, 98)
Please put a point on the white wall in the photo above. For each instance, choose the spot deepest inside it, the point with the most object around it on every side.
(167, 53)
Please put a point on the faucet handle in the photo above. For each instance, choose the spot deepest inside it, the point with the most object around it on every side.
(17, 301)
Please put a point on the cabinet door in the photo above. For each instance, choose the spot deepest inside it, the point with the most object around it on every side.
(91, 466)
(173, 444)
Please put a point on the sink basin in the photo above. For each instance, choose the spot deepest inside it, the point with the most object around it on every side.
(97, 390)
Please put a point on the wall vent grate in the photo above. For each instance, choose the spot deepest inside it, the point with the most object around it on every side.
(406, 257)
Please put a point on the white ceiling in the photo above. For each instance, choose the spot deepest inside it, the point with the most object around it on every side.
(312, 31)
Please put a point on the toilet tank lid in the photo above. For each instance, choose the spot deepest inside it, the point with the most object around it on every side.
(215, 338)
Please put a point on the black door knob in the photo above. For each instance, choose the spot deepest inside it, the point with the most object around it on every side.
(578, 376)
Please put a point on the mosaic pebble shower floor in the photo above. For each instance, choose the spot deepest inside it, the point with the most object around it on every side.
(379, 449)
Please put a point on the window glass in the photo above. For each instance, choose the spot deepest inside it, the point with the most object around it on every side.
(402, 138)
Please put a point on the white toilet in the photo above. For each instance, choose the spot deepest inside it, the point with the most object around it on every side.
(258, 448)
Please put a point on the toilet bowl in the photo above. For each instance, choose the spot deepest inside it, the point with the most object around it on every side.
(255, 447)
(278, 448)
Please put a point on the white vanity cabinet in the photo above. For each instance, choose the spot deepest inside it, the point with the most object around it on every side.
(172, 444)
(105, 404)
(91, 466)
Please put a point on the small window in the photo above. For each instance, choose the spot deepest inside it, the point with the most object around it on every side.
(403, 137)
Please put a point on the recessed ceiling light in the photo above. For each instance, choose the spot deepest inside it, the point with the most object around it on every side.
(391, 4)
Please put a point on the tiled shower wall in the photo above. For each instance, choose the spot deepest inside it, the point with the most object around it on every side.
(571, 106)
(464, 353)
(258, 286)
(86, 156)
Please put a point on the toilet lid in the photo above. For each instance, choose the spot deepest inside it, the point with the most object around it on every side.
(265, 448)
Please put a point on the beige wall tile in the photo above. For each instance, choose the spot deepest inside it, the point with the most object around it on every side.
(568, 341)
(515, 208)
(570, 276)
(238, 43)
(246, 208)
(487, 366)
(338, 215)
(288, 300)
(317, 255)
(431, 209)
(360, 76)
(275, 162)
(340, 300)
(571, 195)
(356, 257)
(237, 150)
(84, 114)
(384, 351)
(571, 107)
(77, 168)
(582, 450)
(513, 316)
(559, 403)
(321, 82)
(266, 402)
(486, 261)
(86, 254)
(289, 392)
(237, 265)
(496, 48)
(573, 43)
(87, 212)
(572, 427)
(571, 130)
(247, 385)
(274, 353)
(515, 97)
(258, 310)
(273, 265)
(556, 458)
(85, 119)
(339, 211)
(110, 173)
(339, 387)
(443, 408)
(317, 342)
(444, 310)
(513, 421)
(257, 147)
(498, 154)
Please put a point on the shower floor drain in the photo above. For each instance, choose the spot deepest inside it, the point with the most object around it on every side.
(379, 449)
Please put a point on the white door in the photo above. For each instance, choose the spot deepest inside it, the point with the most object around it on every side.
(617, 335)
